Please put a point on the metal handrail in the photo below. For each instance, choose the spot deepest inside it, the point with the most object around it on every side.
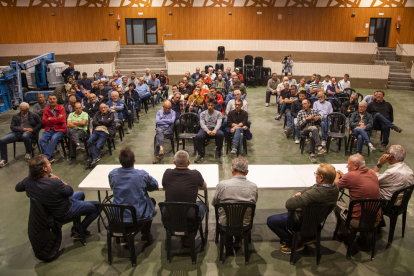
(401, 47)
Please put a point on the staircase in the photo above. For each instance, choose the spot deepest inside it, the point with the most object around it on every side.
(399, 78)
(136, 58)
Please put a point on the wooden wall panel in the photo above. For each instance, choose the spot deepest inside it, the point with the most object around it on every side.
(28, 25)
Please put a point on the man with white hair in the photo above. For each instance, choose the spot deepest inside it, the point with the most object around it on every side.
(147, 75)
(231, 105)
(24, 126)
(164, 123)
(236, 189)
(119, 108)
(360, 123)
(397, 176)
(324, 108)
(211, 74)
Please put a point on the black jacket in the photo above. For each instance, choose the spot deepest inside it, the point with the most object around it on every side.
(384, 108)
(348, 106)
(107, 120)
(295, 108)
(34, 121)
(356, 118)
(134, 96)
(103, 93)
(90, 109)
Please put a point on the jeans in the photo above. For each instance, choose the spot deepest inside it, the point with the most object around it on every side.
(237, 138)
(143, 99)
(202, 208)
(74, 136)
(158, 95)
(314, 139)
(200, 140)
(54, 137)
(268, 94)
(100, 138)
(278, 224)
(325, 127)
(83, 208)
(362, 136)
(289, 118)
(159, 138)
(297, 130)
(26, 137)
(382, 123)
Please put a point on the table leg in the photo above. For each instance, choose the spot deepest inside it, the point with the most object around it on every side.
(207, 212)
(99, 198)
(107, 199)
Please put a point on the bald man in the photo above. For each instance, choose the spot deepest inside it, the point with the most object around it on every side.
(164, 122)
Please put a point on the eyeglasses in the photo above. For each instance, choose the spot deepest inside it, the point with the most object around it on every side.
(316, 173)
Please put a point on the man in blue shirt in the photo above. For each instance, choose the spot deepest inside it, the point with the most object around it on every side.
(116, 79)
(196, 76)
(85, 83)
(119, 108)
(143, 92)
(164, 122)
(102, 78)
(68, 72)
(155, 87)
(131, 186)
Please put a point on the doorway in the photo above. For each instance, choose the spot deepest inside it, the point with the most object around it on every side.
(141, 31)
(379, 31)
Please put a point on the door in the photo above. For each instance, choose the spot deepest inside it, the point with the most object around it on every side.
(141, 31)
(379, 31)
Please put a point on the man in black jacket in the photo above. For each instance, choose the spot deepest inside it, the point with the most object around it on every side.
(237, 124)
(68, 71)
(102, 92)
(24, 126)
(92, 106)
(294, 110)
(104, 127)
(383, 115)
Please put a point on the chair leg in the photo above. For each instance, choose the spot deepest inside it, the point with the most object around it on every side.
(109, 147)
(120, 133)
(192, 247)
(346, 145)
(195, 146)
(338, 224)
(393, 222)
(352, 236)
(217, 234)
(77, 222)
(404, 219)
(14, 149)
(374, 235)
(295, 237)
(113, 143)
(183, 144)
(178, 144)
(62, 143)
(132, 250)
(246, 249)
(168, 246)
(339, 145)
(201, 234)
(318, 247)
(222, 241)
(328, 144)
(109, 241)
(172, 144)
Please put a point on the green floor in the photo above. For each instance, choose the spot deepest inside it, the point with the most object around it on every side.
(269, 146)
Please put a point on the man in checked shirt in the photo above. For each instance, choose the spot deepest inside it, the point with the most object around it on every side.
(309, 121)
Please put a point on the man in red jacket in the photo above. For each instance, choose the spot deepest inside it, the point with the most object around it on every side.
(54, 119)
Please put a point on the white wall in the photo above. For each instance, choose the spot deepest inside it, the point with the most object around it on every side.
(405, 50)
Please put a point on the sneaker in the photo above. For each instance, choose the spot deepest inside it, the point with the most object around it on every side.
(3, 163)
(397, 129)
(148, 239)
(321, 151)
(27, 157)
(313, 159)
(234, 151)
(129, 130)
(278, 117)
(288, 131)
(72, 161)
(198, 158)
(80, 147)
(371, 148)
(88, 163)
(267, 105)
(323, 143)
(51, 160)
(161, 152)
(297, 141)
(287, 250)
(95, 162)
(217, 154)
(383, 148)
(156, 160)
(76, 236)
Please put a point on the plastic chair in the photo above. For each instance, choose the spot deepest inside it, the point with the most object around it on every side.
(179, 221)
(118, 228)
(351, 141)
(337, 126)
(393, 211)
(367, 222)
(258, 61)
(234, 220)
(360, 97)
(238, 63)
(230, 137)
(349, 91)
(221, 53)
(168, 137)
(335, 104)
(34, 139)
(189, 125)
(311, 225)
(248, 59)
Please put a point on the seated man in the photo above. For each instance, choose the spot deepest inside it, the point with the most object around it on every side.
(68, 84)
(360, 124)
(308, 121)
(133, 78)
(271, 87)
(179, 106)
(56, 196)
(196, 76)
(103, 127)
(312, 79)
(237, 124)
(201, 85)
(236, 189)
(130, 186)
(164, 122)
(184, 90)
(196, 98)
(217, 97)
(114, 88)
(344, 83)
(94, 87)
(292, 81)
(324, 108)
(397, 176)
(325, 191)
(119, 108)
(77, 127)
(362, 183)
(85, 83)
(220, 85)
(85, 98)
(40, 105)
(370, 98)
(205, 79)
(294, 110)
(182, 184)
(326, 82)
(217, 106)
(332, 88)
(237, 82)
(132, 94)
(164, 84)
(239, 75)
(102, 78)
(116, 79)
(68, 72)
(212, 75)
(147, 75)
(227, 74)
(70, 107)
(281, 96)
(54, 120)
(190, 80)
(124, 84)
(93, 106)
(72, 92)
(383, 115)
(24, 126)
(231, 105)
(143, 92)
(350, 107)
(155, 87)
(288, 99)
(210, 123)
(302, 86)
(230, 79)
(315, 87)
(102, 92)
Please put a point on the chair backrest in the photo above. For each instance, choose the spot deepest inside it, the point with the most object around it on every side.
(189, 123)
(349, 91)
(337, 122)
(267, 71)
(258, 72)
(360, 97)
(235, 216)
(219, 66)
(369, 212)
(208, 66)
(312, 217)
(180, 218)
(248, 59)
(115, 215)
(258, 61)
(238, 63)
(405, 193)
(221, 49)
(335, 104)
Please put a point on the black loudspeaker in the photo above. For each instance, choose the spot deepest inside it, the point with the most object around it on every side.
(258, 61)
(221, 53)
(238, 63)
(219, 66)
(248, 59)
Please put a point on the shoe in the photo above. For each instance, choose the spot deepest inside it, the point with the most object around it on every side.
(397, 129)
(95, 162)
(162, 152)
(80, 147)
(27, 157)
(76, 236)
(313, 159)
(383, 148)
(51, 160)
(287, 250)
(148, 239)
(323, 143)
(88, 163)
(287, 132)
(156, 160)
(129, 130)
(234, 151)
(3, 163)
(199, 158)
(72, 161)
(278, 117)
(139, 113)
(321, 151)
(267, 105)
(371, 148)
(217, 154)
(297, 141)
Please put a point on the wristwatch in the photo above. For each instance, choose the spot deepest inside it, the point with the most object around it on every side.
(379, 166)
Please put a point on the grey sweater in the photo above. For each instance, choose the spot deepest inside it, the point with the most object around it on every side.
(210, 120)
